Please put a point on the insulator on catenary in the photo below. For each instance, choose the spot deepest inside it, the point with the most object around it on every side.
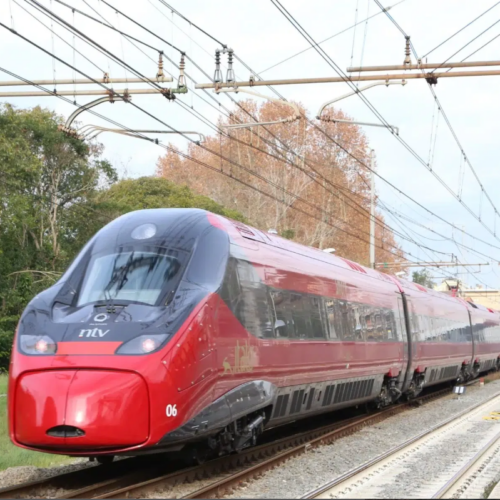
(160, 74)
(407, 51)
(230, 72)
(182, 80)
(217, 73)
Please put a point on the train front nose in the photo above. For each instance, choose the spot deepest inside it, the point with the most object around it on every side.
(79, 409)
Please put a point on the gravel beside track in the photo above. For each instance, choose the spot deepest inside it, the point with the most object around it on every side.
(18, 475)
(302, 474)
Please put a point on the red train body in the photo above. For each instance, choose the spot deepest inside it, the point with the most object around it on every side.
(178, 328)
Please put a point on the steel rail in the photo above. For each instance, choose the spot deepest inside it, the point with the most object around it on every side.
(451, 485)
(249, 463)
(73, 479)
(316, 493)
(126, 477)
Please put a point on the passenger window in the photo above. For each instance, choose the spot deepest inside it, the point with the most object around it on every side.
(389, 326)
(332, 320)
(231, 290)
(380, 333)
(357, 312)
(346, 321)
(299, 315)
(283, 325)
(317, 330)
(370, 326)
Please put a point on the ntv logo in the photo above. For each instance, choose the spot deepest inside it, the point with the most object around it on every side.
(96, 332)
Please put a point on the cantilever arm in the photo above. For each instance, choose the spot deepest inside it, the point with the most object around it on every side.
(92, 131)
(357, 91)
(292, 118)
(91, 104)
(353, 122)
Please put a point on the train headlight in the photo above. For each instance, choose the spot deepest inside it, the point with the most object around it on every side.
(37, 344)
(144, 344)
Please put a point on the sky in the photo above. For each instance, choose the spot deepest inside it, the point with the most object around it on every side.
(262, 37)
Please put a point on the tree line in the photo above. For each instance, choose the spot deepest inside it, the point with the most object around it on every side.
(57, 191)
(305, 185)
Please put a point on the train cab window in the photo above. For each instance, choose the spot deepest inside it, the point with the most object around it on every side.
(137, 276)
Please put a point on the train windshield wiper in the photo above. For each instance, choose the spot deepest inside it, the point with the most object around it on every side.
(119, 274)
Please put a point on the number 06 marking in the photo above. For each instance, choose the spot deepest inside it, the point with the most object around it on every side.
(171, 410)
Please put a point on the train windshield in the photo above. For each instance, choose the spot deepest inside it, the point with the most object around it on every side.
(139, 276)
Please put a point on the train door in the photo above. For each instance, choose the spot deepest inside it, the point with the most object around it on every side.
(405, 329)
(472, 339)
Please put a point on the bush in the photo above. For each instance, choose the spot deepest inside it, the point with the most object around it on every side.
(6, 339)
(7, 329)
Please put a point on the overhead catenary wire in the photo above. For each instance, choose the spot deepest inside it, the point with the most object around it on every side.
(477, 50)
(201, 163)
(448, 238)
(126, 38)
(453, 240)
(448, 123)
(392, 229)
(329, 38)
(160, 39)
(226, 159)
(69, 65)
(188, 21)
(184, 17)
(363, 163)
(280, 159)
(466, 45)
(460, 30)
(346, 79)
(107, 25)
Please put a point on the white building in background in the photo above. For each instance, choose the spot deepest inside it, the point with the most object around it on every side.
(479, 295)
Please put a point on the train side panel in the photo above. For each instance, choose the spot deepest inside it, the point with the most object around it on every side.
(326, 335)
(486, 332)
(442, 345)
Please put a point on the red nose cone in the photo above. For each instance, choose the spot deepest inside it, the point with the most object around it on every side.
(102, 404)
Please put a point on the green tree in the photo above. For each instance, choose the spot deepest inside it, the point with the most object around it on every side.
(56, 192)
(423, 278)
(48, 182)
(156, 192)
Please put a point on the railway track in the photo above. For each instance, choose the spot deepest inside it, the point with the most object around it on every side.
(469, 474)
(135, 477)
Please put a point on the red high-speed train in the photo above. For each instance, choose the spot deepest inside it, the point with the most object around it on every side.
(178, 328)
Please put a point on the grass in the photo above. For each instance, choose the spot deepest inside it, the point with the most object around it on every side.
(3, 383)
(12, 456)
